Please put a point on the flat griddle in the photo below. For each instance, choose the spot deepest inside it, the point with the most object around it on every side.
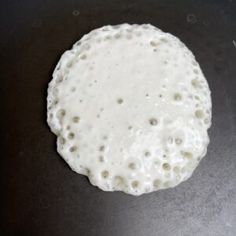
(40, 194)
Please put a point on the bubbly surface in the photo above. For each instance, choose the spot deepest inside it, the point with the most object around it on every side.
(131, 108)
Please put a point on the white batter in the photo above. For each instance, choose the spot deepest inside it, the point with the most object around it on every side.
(131, 108)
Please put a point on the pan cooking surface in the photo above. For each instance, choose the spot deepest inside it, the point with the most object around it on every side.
(41, 195)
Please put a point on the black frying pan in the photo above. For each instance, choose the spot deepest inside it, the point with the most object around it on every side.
(40, 194)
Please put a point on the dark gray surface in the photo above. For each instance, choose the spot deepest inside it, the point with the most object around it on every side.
(40, 194)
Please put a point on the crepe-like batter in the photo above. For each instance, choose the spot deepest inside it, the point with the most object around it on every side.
(131, 108)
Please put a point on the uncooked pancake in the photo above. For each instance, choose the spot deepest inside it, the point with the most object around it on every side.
(131, 108)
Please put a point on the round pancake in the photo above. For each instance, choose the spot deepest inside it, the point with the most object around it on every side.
(131, 108)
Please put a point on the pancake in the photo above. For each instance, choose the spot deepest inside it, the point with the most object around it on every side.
(130, 107)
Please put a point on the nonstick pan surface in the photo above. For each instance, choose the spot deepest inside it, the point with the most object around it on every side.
(40, 194)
